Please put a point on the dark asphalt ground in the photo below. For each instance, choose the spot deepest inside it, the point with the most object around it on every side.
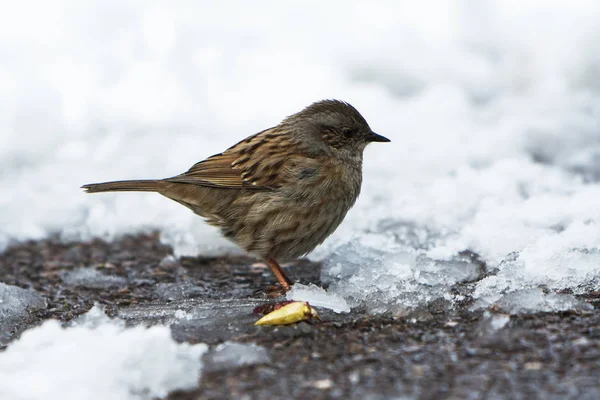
(435, 353)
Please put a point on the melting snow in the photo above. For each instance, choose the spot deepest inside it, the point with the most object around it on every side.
(51, 362)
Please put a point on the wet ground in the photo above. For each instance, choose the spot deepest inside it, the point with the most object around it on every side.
(433, 353)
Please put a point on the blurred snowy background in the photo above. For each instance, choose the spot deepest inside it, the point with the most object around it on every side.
(492, 106)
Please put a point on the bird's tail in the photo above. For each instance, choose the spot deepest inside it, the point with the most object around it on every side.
(123, 186)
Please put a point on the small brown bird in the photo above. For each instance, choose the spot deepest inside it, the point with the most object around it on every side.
(281, 192)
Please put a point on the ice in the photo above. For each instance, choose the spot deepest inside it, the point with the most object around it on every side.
(211, 320)
(499, 321)
(169, 261)
(178, 291)
(398, 279)
(15, 305)
(490, 326)
(318, 297)
(99, 361)
(230, 355)
(92, 278)
(533, 226)
(492, 108)
(528, 301)
(395, 280)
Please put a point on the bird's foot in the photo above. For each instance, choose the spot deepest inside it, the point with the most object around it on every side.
(274, 291)
(271, 292)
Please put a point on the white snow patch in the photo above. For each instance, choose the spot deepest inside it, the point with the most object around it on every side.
(97, 358)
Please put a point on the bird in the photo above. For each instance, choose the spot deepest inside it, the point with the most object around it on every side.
(279, 193)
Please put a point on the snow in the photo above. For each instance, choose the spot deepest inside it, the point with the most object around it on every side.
(492, 108)
(51, 362)
(229, 355)
(92, 278)
(318, 297)
(529, 301)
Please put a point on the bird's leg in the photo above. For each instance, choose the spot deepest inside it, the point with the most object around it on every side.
(284, 281)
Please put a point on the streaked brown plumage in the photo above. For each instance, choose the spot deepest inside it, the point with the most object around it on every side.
(281, 192)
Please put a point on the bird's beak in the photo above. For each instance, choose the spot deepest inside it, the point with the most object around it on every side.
(373, 137)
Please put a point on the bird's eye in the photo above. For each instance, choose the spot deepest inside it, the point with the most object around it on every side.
(348, 132)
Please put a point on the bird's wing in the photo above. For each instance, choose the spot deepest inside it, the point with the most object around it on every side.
(215, 171)
(260, 162)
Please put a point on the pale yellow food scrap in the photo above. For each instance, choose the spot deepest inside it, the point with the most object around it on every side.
(289, 314)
